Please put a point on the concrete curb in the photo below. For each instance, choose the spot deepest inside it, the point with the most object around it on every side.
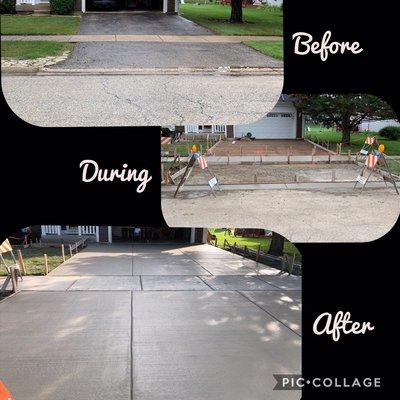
(276, 186)
(19, 70)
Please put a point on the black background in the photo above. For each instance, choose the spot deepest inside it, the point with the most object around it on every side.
(40, 186)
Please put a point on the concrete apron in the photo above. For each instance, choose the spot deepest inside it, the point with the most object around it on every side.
(220, 71)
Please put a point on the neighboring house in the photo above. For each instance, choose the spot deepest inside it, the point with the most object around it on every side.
(110, 234)
(376, 125)
(165, 6)
(283, 122)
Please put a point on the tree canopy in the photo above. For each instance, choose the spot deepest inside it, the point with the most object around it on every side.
(344, 111)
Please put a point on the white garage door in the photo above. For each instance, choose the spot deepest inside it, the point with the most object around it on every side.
(276, 125)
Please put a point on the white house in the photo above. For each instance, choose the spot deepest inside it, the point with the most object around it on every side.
(110, 234)
(375, 125)
(283, 122)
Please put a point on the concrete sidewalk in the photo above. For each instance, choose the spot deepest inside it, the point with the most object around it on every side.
(219, 329)
(140, 38)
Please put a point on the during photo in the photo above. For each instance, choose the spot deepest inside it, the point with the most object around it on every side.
(142, 62)
(101, 312)
(317, 168)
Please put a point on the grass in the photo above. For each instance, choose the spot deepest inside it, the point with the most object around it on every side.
(263, 21)
(273, 49)
(392, 147)
(39, 25)
(34, 259)
(182, 147)
(252, 243)
(394, 166)
(32, 49)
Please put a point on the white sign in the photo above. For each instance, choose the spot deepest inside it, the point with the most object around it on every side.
(363, 151)
(362, 179)
(212, 182)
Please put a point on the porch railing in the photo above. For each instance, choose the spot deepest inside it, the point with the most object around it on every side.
(87, 230)
(51, 229)
(33, 2)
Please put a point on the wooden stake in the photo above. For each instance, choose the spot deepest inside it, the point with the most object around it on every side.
(255, 178)
(258, 252)
(63, 251)
(21, 262)
(266, 150)
(46, 265)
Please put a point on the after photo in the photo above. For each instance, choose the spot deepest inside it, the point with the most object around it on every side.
(100, 312)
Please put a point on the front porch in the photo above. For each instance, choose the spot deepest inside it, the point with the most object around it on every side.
(121, 234)
(43, 6)
(59, 232)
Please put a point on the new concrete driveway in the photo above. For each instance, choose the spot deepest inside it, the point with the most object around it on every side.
(152, 322)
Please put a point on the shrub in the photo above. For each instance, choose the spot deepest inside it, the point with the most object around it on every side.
(390, 132)
(7, 7)
(62, 7)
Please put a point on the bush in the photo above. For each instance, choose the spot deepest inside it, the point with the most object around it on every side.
(390, 132)
(7, 7)
(62, 7)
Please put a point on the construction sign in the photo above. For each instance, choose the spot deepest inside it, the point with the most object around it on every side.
(368, 145)
(213, 182)
(5, 393)
(372, 160)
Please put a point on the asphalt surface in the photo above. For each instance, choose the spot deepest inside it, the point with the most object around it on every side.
(138, 23)
(165, 55)
(97, 100)
(314, 215)
(99, 336)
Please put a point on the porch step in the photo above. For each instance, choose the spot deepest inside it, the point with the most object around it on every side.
(36, 9)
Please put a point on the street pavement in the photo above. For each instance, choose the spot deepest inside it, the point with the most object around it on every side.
(125, 100)
(300, 215)
(87, 334)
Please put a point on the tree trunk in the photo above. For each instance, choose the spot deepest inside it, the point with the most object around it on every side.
(346, 135)
(276, 247)
(236, 11)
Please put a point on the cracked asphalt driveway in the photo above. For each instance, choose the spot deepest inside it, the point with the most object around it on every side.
(125, 100)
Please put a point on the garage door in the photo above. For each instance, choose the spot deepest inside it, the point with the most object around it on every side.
(276, 125)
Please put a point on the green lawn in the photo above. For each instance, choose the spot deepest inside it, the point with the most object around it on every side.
(264, 20)
(34, 259)
(273, 49)
(252, 243)
(32, 49)
(39, 25)
(182, 147)
(392, 147)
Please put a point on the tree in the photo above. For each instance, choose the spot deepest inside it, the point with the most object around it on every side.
(277, 244)
(344, 111)
(236, 11)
